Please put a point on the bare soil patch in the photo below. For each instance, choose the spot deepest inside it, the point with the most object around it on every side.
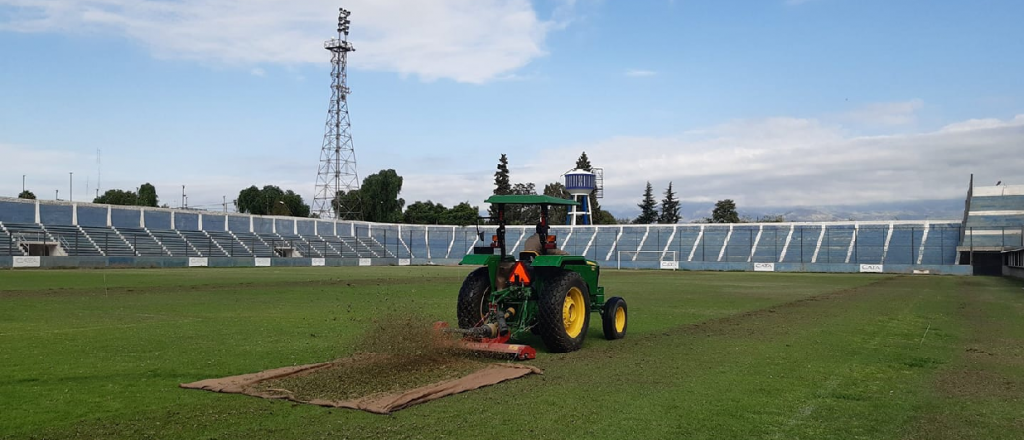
(401, 362)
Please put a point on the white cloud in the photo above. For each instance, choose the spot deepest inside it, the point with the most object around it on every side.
(776, 162)
(470, 41)
(886, 113)
(773, 162)
(256, 71)
(640, 73)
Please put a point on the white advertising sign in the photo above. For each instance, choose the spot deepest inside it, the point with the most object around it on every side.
(198, 262)
(670, 265)
(764, 267)
(262, 262)
(26, 262)
(319, 261)
(364, 262)
(871, 268)
(404, 261)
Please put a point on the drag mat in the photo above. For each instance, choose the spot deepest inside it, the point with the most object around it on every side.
(268, 384)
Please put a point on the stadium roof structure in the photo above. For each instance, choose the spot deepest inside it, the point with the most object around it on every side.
(529, 200)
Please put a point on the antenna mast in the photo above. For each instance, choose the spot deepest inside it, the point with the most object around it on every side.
(337, 171)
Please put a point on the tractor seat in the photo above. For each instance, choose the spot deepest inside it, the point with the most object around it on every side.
(527, 256)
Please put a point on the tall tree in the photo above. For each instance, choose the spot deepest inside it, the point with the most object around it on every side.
(379, 197)
(557, 214)
(296, 206)
(669, 207)
(502, 185)
(248, 201)
(583, 163)
(725, 212)
(648, 207)
(117, 197)
(271, 200)
(147, 195)
(462, 214)
(424, 213)
(522, 214)
(26, 194)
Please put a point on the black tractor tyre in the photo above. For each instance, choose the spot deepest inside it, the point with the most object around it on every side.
(551, 324)
(473, 298)
(613, 329)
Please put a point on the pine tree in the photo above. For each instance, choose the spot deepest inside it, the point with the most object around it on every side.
(725, 212)
(648, 207)
(583, 163)
(502, 185)
(669, 207)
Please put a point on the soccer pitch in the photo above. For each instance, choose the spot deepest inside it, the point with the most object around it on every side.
(100, 354)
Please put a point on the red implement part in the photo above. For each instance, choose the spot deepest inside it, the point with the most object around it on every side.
(519, 351)
(497, 345)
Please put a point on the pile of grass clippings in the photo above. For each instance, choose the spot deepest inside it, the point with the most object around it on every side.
(400, 352)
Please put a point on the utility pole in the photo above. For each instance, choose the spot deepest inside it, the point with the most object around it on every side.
(71, 187)
(22, 183)
(183, 196)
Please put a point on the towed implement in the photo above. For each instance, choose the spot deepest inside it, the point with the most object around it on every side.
(543, 291)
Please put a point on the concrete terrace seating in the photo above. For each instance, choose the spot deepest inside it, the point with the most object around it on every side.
(996, 218)
(175, 244)
(145, 245)
(256, 246)
(7, 245)
(110, 241)
(73, 241)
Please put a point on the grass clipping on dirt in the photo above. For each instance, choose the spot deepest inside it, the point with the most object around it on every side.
(398, 353)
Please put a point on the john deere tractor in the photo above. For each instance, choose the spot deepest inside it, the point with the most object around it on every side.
(552, 296)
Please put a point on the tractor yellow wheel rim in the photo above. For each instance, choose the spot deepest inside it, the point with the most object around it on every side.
(620, 319)
(574, 312)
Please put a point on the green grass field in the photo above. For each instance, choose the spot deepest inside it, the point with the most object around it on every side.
(99, 354)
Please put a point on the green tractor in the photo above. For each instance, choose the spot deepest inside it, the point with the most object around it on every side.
(549, 295)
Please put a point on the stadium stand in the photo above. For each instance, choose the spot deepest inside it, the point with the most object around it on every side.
(993, 221)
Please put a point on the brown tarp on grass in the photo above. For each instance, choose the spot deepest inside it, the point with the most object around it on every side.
(375, 403)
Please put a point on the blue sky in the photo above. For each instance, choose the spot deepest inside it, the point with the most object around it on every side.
(769, 102)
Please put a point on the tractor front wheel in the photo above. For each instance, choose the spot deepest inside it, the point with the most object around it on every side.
(564, 312)
(473, 298)
(613, 318)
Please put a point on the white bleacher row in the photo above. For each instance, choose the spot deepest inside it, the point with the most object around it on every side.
(66, 240)
(835, 242)
(896, 242)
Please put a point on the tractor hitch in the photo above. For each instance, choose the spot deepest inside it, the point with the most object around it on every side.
(489, 338)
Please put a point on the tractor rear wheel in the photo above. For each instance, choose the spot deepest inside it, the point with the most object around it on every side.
(613, 318)
(564, 312)
(473, 298)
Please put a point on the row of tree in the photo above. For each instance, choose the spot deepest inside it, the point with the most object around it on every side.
(649, 213)
(521, 215)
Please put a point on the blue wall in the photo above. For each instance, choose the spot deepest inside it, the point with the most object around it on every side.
(186, 221)
(18, 212)
(262, 225)
(92, 216)
(213, 222)
(55, 214)
(306, 227)
(238, 223)
(158, 220)
(125, 218)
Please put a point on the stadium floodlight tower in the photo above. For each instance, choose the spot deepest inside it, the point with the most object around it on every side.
(337, 155)
(583, 184)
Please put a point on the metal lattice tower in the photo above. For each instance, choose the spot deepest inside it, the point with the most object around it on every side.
(337, 155)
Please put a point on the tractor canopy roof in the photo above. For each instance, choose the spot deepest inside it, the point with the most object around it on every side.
(529, 200)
